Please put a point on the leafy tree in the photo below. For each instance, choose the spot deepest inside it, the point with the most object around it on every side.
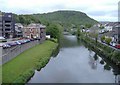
(102, 38)
(88, 25)
(102, 27)
(22, 19)
(108, 40)
(96, 37)
(78, 33)
(53, 30)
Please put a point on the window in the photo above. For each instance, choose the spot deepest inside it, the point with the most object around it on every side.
(9, 16)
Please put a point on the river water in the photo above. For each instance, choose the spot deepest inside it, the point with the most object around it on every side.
(75, 63)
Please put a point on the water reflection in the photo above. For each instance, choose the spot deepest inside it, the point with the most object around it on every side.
(69, 41)
(93, 61)
(77, 63)
(117, 75)
(107, 64)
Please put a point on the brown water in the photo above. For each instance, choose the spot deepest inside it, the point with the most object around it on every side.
(75, 63)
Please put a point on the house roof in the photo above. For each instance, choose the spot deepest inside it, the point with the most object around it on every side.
(34, 25)
(110, 34)
(104, 23)
(113, 24)
(19, 25)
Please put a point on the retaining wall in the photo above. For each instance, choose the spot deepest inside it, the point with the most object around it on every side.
(12, 52)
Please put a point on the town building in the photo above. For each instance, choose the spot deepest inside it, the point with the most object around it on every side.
(1, 24)
(115, 34)
(118, 32)
(7, 25)
(35, 31)
(18, 30)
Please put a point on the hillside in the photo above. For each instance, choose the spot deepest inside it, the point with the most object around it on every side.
(64, 18)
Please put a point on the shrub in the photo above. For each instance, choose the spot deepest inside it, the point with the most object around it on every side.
(102, 38)
(25, 77)
(108, 40)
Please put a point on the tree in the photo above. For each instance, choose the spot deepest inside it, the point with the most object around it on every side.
(96, 37)
(22, 19)
(53, 30)
(108, 40)
(78, 33)
(101, 27)
(88, 25)
(102, 38)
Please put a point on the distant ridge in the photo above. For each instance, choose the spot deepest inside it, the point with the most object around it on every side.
(65, 18)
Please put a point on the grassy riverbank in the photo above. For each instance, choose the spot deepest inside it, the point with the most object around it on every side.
(21, 68)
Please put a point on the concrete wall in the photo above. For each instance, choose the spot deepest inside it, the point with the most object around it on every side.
(10, 53)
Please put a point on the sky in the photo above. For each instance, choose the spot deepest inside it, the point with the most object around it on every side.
(100, 10)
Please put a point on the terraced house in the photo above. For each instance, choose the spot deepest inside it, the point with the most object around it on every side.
(34, 30)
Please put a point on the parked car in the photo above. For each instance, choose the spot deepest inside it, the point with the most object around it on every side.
(117, 46)
(17, 42)
(22, 41)
(2, 39)
(112, 44)
(12, 44)
(1, 44)
(4, 45)
(32, 39)
(28, 40)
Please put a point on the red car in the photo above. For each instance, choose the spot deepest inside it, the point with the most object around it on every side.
(117, 46)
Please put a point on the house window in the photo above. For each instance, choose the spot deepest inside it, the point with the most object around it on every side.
(31, 29)
(9, 16)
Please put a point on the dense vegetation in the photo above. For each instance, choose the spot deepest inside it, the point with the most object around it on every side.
(21, 68)
(101, 49)
(26, 19)
(64, 18)
(54, 30)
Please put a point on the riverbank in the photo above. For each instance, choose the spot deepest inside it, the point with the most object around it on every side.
(21, 68)
(112, 54)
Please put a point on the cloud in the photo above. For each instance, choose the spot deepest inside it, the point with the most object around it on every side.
(97, 9)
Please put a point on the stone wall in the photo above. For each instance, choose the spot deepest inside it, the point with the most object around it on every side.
(10, 53)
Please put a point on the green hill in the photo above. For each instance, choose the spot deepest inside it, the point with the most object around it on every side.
(64, 18)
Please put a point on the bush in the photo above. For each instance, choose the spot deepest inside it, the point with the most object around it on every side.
(25, 77)
(102, 38)
(108, 40)
(53, 40)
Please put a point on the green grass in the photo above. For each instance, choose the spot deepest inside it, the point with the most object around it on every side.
(27, 60)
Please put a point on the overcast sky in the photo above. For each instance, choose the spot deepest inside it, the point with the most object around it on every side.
(101, 10)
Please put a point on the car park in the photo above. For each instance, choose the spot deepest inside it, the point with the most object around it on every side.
(15, 43)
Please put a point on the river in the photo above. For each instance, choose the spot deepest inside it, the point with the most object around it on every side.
(75, 63)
